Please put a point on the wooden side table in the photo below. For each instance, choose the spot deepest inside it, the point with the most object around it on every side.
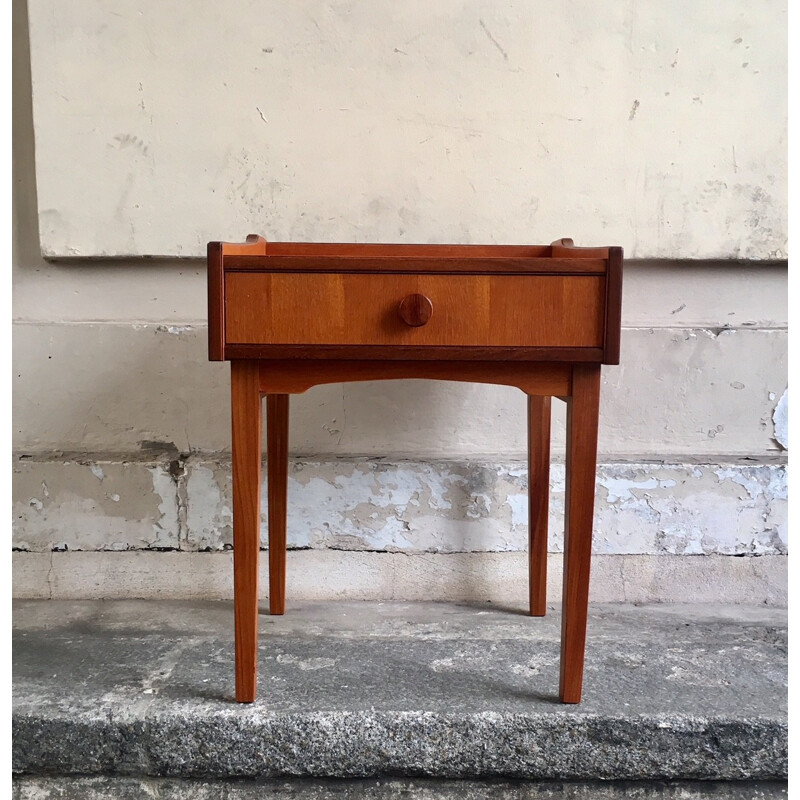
(291, 316)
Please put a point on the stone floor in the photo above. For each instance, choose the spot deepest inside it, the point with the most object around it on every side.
(105, 788)
(142, 691)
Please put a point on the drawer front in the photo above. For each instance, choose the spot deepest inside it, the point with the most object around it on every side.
(362, 309)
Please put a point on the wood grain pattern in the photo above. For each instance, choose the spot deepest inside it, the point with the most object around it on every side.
(581, 465)
(498, 311)
(454, 251)
(216, 303)
(565, 248)
(613, 325)
(293, 377)
(216, 253)
(277, 476)
(255, 245)
(322, 352)
(415, 310)
(418, 262)
(538, 501)
(246, 439)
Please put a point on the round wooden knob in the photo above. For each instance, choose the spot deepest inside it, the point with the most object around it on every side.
(415, 310)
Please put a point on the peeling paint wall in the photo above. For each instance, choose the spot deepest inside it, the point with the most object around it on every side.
(405, 506)
(780, 418)
(64, 505)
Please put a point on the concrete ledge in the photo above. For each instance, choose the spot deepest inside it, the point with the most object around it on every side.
(356, 575)
(342, 744)
(415, 689)
(115, 788)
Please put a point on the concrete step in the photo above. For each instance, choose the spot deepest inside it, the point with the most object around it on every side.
(438, 690)
(110, 788)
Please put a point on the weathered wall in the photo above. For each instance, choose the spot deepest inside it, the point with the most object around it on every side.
(403, 506)
(121, 426)
(658, 126)
(679, 393)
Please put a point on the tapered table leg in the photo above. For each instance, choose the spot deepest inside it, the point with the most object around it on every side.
(581, 464)
(246, 425)
(277, 475)
(538, 500)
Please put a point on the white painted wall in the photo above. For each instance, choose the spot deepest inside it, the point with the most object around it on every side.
(118, 387)
(659, 126)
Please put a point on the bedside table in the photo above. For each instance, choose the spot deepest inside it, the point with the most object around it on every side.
(542, 318)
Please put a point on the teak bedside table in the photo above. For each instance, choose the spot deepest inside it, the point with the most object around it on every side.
(291, 316)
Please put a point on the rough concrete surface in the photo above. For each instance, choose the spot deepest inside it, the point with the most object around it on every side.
(356, 575)
(100, 788)
(436, 690)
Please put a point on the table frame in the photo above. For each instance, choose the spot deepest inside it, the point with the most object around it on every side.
(560, 373)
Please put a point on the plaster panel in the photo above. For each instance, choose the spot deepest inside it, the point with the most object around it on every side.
(657, 126)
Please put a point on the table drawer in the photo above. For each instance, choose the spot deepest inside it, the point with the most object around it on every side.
(362, 309)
